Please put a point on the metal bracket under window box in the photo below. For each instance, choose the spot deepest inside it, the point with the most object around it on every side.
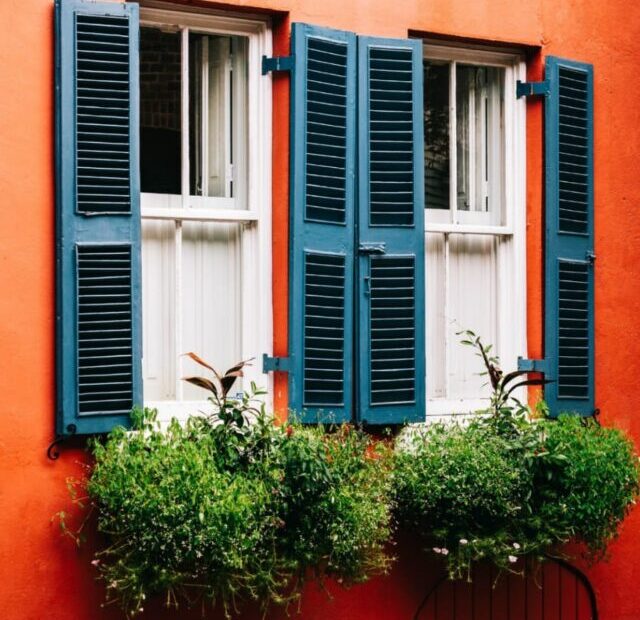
(532, 365)
(277, 63)
(274, 364)
(529, 89)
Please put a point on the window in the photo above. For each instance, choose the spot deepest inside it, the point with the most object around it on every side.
(204, 128)
(474, 218)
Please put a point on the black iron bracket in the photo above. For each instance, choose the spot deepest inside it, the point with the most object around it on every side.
(52, 451)
(274, 364)
(277, 63)
(530, 89)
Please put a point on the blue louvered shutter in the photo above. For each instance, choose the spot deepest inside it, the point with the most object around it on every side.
(322, 209)
(569, 262)
(391, 274)
(98, 320)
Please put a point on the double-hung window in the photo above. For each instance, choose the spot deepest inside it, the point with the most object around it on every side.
(204, 202)
(163, 125)
(474, 158)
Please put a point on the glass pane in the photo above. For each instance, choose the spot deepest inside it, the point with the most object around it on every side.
(473, 299)
(436, 135)
(211, 298)
(158, 286)
(479, 138)
(436, 320)
(160, 111)
(217, 108)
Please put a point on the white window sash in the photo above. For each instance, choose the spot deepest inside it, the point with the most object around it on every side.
(254, 192)
(511, 232)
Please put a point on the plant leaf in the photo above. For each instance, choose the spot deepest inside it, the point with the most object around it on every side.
(199, 360)
(202, 382)
(239, 366)
(529, 382)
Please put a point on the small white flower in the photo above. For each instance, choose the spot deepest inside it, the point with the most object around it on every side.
(464, 541)
(437, 550)
(516, 546)
(513, 559)
(445, 551)
(95, 562)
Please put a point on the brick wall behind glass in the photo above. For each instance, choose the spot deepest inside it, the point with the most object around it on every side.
(160, 79)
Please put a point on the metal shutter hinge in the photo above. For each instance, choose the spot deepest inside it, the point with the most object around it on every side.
(532, 365)
(277, 63)
(530, 89)
(274, 364)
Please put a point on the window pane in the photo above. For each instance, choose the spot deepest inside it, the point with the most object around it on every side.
(158, 288)
(473, 299)
(160, 113)
(436, 135)
(211, 300)
(436, 320)
(479, 138)
(217, 108)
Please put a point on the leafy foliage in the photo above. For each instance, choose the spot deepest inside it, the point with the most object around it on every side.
(231, 506)
(509, 484)
(228, 506)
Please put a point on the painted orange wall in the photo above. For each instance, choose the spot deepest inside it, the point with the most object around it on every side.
(42, 576)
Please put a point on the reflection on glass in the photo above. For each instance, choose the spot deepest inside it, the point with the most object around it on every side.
(160, 111)
(436, 135)
(479, 129)
(217, 110)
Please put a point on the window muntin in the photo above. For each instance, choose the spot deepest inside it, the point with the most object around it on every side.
(206, 239)
(474, 224)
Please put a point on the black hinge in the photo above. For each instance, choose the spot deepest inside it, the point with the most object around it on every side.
(277, 63)
(274, 364)
(529, 89)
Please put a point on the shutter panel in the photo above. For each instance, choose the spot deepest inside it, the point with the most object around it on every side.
(569, 281)
(322, 224)
(98, 319)
(391, 275)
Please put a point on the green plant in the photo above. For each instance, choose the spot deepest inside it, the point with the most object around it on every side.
(227, 506)
(510, 484)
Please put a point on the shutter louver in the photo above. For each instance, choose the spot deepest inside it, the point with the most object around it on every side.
(391, 281)
(102, 105)
(98, 330)
(569, 288)
(105, 345)
(393, 337)
(322, 220)
(324, 337)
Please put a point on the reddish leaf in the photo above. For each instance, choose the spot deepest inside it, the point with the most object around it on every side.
(238, 366)
(510, 376)
(529, 382)
(203, 383)
(200, 361)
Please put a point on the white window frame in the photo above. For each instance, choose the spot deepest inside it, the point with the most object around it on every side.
(511, 230)
(254, 215)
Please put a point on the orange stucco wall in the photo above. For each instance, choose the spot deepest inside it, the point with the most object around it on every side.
(42, 576)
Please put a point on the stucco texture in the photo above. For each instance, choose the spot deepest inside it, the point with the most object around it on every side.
(44, 576)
